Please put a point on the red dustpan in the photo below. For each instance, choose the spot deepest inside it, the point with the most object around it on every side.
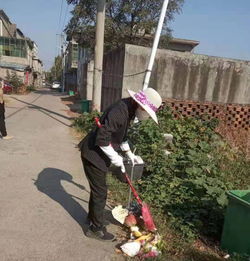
(147, 217)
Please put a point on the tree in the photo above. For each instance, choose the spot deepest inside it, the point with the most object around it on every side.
(56, 70)
(48, 77)
(127, 21)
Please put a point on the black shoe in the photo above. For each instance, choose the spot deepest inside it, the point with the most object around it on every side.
(101, 234)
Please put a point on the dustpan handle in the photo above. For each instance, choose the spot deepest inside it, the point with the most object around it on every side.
(133, 189)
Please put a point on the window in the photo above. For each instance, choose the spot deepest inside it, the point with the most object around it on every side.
(13, 47)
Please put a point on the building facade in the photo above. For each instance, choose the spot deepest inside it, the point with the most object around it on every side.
(18, 54)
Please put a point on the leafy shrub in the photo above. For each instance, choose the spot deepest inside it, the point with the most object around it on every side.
(189, 185)
(14, 80)
(30, 88)
(86, 122)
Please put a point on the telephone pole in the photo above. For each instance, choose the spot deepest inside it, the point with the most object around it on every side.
(97, 80)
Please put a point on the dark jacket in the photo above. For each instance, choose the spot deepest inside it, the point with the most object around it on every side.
(115, 122)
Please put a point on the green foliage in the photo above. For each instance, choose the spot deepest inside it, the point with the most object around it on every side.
(14, 80)
(86, 122)
(55, 73)
(31, 88)
(126, 21)
(188, 185)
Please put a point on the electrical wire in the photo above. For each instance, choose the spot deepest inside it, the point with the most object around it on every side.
(60, 16)
(64, 20)
(58, 29)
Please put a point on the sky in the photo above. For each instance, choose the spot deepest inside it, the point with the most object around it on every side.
(221, 26)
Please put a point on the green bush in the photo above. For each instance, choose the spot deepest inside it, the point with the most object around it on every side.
(14, 80)
(188, 185)
(31, 88)
(86, 121)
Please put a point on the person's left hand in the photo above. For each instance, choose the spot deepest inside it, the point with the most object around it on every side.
(132, 157)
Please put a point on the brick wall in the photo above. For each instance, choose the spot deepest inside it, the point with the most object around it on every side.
(233, 115)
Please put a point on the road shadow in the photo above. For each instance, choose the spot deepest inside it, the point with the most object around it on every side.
(49, 182)
(73, 103)
(48, 91)
(49, 113)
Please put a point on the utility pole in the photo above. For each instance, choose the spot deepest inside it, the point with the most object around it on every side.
(62, 58)
(97, 80)
(63, 71)
(63, 67)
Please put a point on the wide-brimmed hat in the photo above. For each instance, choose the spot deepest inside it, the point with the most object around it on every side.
(149, 99)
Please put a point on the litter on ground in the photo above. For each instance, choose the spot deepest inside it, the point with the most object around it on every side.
(139, 241)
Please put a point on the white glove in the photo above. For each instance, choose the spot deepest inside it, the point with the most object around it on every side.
(131, 156)
(134, 159)
(115, 158)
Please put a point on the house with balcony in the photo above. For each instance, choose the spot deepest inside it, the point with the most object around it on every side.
(18, 53)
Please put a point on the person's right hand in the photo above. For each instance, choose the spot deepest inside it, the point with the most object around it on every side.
(118, 162)
(115, 158)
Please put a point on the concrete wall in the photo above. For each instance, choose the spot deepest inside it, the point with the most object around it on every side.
(85, 80)
(112, 80)
(15, 60)
(89, 83)
(5, 29)
(3, 73)
(85, 74)
(71, 81)
(182, 76)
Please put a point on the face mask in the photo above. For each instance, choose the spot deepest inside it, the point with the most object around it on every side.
(141, 114)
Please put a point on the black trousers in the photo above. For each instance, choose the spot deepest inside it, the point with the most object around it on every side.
(98, 193)
(2, 120)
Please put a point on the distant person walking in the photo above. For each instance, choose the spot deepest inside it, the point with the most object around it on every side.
(2, 114)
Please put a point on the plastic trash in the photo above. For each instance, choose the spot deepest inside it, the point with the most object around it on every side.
(168, 137)
(119, 213)
(131, 248)
(167, 152)
(152, 253)
(135, 231)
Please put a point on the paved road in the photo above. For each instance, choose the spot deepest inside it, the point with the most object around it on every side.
(44, 193)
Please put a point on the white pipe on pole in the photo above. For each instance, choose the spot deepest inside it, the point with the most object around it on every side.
(155, 45)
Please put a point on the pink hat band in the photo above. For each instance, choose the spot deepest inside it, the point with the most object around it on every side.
(142, 98)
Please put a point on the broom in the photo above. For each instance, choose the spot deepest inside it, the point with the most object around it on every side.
(146, 215)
